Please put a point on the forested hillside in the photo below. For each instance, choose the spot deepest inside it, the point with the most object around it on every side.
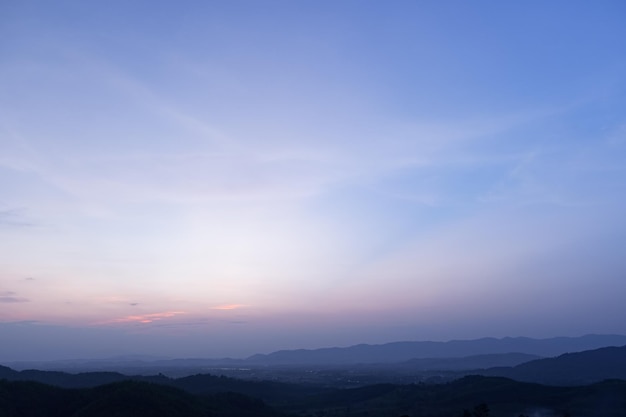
(210, 396)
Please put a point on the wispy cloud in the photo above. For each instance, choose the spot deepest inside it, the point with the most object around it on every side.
(11, 297)
(14, 217)
(228, 307)
(116, 299)
(144, 318)
(217, 162)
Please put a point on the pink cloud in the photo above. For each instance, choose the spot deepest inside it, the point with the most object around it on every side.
(144, 318)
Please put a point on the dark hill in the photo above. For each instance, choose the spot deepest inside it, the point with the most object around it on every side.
(132, 398)
(270, 391)
(204, 384)
(504, 397)
(81, 380)
(122, 399)
(571, 368)
(32, 399)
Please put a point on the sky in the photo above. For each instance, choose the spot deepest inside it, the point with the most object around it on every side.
(224, 178)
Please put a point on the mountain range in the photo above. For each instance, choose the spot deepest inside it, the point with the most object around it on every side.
(206, 395)
(426, 354)
(591, 382)
(579, 368)
(405, 351)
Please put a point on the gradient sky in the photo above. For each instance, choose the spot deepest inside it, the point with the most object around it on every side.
(221, 178)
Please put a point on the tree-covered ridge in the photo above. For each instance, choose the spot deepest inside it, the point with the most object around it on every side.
(111, 394)
(123, 399)
(578, 368)
(502, 396)
(202, 384)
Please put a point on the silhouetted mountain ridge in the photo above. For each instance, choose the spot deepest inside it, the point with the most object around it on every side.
(123, 399)
(404, 351)
(503, 396)
(394, 352)
(197, 384)
(577, 368)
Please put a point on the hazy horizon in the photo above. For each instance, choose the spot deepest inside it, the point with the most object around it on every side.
(236, 177)
(104, 354)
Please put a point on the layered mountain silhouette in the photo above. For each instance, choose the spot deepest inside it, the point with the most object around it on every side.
(197, 384)
(568, 369)
(593, 382)
(578, 368)
(426, 355)
(499, 396)
(404, 351)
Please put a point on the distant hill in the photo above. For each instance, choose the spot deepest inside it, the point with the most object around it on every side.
(404, 351)
(67, 380)
(137, 363)
(578, 368)
(395, 352)
(467, 362)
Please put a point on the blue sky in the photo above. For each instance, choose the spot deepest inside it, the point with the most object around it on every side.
(221, 178)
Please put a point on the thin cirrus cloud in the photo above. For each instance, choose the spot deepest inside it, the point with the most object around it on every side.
(14, 218)
(319, 159)
(10, 297)
(144, 318)
(228, 307)
(247, 163)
